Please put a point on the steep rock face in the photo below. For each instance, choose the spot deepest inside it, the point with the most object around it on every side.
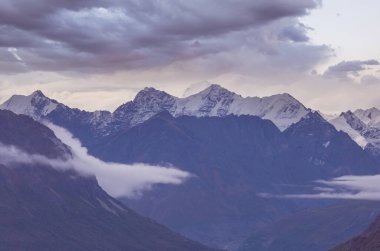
(346, 122)
(363, 126)
(367, 241)
(89, 127)
(234, 159)
(370, 116)
(328, 152)
(43, 208)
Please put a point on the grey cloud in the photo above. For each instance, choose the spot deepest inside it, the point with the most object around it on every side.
(370, 80)
(296, 32)
(96, 36)
(347, 69)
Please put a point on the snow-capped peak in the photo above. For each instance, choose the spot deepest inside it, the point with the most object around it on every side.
(282, 109)
(147, 103)
(370, 116)
(38, 93)
(215, 91)
(347, 122)
(150, 95)
(353, 121)
(34, 105)
(212, 101)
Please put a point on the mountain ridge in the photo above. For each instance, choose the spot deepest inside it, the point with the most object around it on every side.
(282, 109)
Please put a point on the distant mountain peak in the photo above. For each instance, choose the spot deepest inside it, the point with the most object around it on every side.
(150, 91)
(150, 94)
(369, 110)
(216, 88)
(215, 100)
(369, 116)
(34, 105)
(38, 93)
(353, 120)
(311, 121)
(215, 91)
(314, 116)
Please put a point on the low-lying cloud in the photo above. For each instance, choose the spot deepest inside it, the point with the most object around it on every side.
(119, 180)
(10, 154)
(345, 187)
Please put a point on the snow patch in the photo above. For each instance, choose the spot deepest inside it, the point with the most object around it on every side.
(341, 124)
(326, 144)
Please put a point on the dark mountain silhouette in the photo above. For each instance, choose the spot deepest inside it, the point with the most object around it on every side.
(42, 208)
(369, 240)
(234, 160)
(314, 229)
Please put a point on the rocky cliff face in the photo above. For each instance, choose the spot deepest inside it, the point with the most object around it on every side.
(363, 126)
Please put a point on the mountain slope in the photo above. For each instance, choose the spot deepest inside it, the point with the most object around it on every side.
(314, 229)
(363, 126)
(233, 160)
(369, 240)
(329, 153)
(23, 132)
(43, 208)
(344, 123)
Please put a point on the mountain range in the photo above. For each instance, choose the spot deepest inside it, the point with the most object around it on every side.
(240, 151)
(281, 109)
(363, 125)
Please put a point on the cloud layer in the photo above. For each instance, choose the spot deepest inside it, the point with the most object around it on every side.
(119, 180)
(345, 70)
(345, 187)
(93, 36)
(97, 54)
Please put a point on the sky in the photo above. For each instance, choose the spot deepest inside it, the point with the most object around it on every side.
(98, 54)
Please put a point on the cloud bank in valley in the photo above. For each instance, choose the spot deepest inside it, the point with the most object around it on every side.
(345, 187)
(119, 180)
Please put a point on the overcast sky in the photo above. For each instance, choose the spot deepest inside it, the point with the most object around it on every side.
(97, 54)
